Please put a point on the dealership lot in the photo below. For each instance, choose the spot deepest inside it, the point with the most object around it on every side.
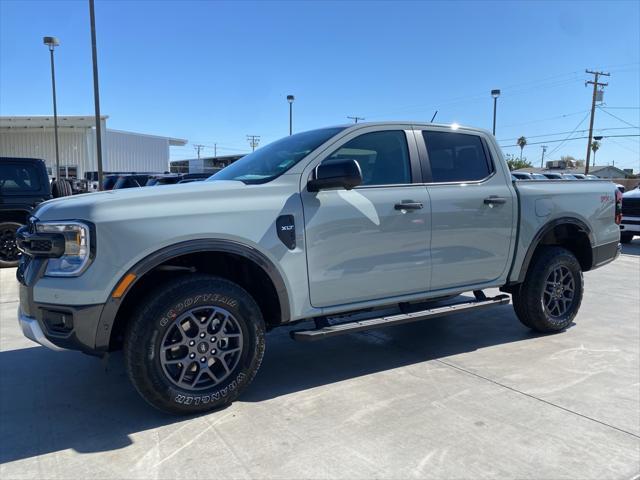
(471, 396)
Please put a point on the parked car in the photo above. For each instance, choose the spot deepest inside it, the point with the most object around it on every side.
(538, 176)
(168, 179)
(553, 176)
(191, 180)
(23, 185)
(569, 176)
(131, 181)
(630, 225)
(579, 176)
(334, 225)
(195, 176)
(521, 176)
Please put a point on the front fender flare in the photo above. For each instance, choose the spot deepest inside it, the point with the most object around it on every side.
(112, 306)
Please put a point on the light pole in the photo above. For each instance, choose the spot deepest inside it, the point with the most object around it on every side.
(290, 99)
(495, 94)
(53, 42)
(96, 91)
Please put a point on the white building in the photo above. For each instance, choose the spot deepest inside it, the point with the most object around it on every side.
(33, 137)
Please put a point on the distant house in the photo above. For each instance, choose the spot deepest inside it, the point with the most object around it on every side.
(607, 171)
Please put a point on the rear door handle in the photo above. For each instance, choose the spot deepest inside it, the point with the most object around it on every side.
(408, 206)
(495, 200)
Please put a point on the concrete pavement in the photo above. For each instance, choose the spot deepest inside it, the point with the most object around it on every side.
(470, 396)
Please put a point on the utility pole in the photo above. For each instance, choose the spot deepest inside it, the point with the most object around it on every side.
(96, 92)
(215, 149)
(355, 119)
(198, 148)
(544, 150)
(253, 140)
(595, 84)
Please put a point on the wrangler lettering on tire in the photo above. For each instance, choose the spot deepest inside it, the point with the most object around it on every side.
(204, 341)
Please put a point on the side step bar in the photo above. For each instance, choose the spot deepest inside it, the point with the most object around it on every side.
(330, 330)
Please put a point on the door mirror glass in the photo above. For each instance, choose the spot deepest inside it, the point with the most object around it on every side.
(338, 173)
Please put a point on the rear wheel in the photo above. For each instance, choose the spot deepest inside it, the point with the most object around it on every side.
(551, 294)
(61, 188)
(195, 345)
(626, 237)
(9, 253)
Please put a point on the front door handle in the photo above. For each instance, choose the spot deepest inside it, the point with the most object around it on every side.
(408, 206)
(495, 200)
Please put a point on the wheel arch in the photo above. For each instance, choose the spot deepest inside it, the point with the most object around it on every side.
(568, 232)
(113, 314)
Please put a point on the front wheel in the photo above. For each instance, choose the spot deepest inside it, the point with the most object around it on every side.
(9, 253)
(551, 294)
(195, 345)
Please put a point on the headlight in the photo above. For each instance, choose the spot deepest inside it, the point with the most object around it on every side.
(77, 254)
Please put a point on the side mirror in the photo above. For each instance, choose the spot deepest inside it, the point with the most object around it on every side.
(337, 173)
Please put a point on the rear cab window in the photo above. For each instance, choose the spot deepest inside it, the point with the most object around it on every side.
(456, 157)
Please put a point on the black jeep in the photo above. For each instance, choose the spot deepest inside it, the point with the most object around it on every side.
(23, 185)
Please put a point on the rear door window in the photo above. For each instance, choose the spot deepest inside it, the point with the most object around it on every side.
(456, 157)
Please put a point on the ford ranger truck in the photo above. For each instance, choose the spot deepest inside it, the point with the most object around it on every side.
(351, 227)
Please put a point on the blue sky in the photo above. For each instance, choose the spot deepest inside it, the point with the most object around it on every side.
(211, 71)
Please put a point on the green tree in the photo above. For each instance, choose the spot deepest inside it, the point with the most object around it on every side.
(595, 146)
(515, 163)
(522, 142)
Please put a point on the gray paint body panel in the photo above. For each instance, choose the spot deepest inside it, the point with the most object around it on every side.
(357, 252)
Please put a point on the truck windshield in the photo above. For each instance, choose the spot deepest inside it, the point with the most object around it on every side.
(274, 159)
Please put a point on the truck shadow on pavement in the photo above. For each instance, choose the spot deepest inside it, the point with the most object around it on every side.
(632, 248)
(53, 401)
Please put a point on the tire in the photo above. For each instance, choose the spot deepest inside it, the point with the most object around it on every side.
(626, 237)
(61, 188)
(154, 343)
(551, 294)
(9, 254)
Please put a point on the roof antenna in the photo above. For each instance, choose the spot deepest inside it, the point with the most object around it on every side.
(434, 116)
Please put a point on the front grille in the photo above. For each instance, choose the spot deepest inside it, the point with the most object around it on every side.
(631, 207)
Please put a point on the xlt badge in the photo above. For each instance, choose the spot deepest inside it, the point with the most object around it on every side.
(286, 227)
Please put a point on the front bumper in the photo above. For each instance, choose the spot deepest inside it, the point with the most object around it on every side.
(630, 225)
(31, 329)
(56, 326)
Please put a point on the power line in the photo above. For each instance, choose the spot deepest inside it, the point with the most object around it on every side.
(567, 140)
(569, 136)
(617, 118)
(253, 140)
(564, 133)
(198, 148)
(355, 119)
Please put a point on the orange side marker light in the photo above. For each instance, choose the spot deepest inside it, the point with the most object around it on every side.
(123, 285)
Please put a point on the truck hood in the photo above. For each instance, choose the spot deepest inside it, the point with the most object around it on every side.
(93, 206)
(635, 193)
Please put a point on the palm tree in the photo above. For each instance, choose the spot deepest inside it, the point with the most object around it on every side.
(522, 142)
(595, 146)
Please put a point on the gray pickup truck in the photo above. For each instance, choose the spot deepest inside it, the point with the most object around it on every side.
(352, 227)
